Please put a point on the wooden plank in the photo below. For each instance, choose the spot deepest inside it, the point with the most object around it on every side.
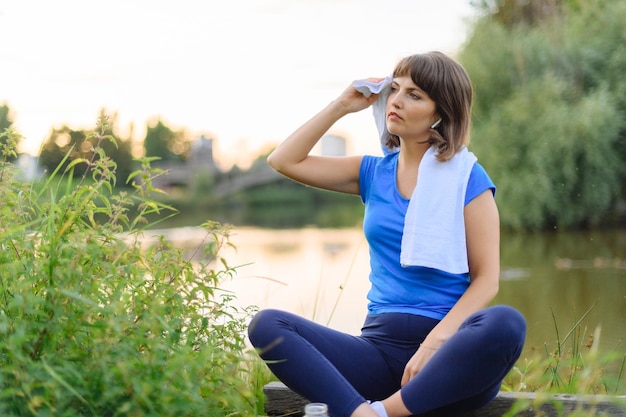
(281, 401)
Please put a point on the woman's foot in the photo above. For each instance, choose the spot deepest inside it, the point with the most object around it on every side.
(379, 408)
(368, 410)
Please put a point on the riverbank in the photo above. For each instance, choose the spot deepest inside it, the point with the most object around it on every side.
(322, 274)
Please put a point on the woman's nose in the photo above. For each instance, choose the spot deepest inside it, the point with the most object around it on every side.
(395, 100)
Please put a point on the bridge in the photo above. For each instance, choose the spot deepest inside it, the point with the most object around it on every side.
(248, 179)
(201, 163)
(183, 175)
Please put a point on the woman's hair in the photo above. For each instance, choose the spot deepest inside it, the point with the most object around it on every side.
(448, 84)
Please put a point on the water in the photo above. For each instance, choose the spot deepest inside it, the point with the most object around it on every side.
(553, 279)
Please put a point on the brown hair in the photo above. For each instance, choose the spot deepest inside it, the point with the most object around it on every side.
(448, 84)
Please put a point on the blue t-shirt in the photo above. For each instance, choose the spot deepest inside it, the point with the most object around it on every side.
(417, 290)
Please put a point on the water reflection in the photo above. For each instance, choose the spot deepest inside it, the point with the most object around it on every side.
(322, 274)
(566, 274)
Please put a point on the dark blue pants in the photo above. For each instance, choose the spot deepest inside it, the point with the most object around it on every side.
(325, 365)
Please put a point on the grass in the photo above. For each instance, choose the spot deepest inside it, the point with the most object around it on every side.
(574, 366)
(95, 324)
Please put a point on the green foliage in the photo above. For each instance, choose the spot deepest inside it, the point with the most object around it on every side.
(516, 12)
(5, 125)
(8, 145)
(560, 170)
(549, 124)
(573, 366)
(164, 143)
(5, 120)
(66, 145)
(94, 322)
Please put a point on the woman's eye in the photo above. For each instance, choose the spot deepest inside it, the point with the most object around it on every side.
(415, 96)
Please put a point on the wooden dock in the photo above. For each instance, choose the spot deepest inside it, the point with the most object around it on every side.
(281, 401)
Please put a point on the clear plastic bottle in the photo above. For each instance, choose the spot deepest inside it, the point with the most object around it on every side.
(316, 410)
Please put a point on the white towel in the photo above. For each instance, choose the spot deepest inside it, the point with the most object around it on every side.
(434, 224)
(382, 88)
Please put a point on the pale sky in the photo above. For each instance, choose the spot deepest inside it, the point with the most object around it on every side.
(244, 72)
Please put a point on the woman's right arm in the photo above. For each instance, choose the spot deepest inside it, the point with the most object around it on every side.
(291, 158)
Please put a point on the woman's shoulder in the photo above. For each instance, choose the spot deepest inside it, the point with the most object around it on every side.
(375, 166)
(376, 171)
(479, 182)
(478, 169)
(380, 161)
(479, 173)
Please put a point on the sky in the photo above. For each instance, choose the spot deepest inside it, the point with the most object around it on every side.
(243, 72)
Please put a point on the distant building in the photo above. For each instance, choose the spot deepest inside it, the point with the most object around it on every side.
(333, 145)
(182, 174)
(201, 155)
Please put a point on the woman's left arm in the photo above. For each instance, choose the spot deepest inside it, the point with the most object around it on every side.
(482, 234)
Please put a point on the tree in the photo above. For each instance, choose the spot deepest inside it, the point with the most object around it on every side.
(6, 123)
(163, 142)
(548, 117)
(62, 141)
(515, 12)
(66, 140)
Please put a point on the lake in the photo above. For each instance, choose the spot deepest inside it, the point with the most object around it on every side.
(552, 278)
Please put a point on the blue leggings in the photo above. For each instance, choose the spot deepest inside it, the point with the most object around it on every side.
(325, 365)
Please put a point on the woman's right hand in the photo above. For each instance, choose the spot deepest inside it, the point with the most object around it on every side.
(291, 158)
(353, 101)
(416, 363)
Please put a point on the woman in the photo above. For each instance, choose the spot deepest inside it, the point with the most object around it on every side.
(429, 341)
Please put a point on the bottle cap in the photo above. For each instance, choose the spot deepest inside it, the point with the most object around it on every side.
(316, 410)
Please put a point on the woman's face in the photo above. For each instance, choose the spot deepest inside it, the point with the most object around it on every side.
(410, 111)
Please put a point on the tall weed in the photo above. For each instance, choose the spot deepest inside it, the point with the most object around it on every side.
(573, 366)
(92, 322)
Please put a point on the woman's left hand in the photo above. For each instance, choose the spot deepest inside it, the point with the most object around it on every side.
(416, 363)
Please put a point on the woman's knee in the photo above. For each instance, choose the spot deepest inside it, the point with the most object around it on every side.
(510, 327)
(511, 321)
(263, 326)
(500, 323)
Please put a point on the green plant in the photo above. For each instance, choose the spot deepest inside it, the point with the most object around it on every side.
(574, 366)
(94, 321)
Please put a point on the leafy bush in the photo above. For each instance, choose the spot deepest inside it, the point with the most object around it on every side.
(95, 324)
(549, 120)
